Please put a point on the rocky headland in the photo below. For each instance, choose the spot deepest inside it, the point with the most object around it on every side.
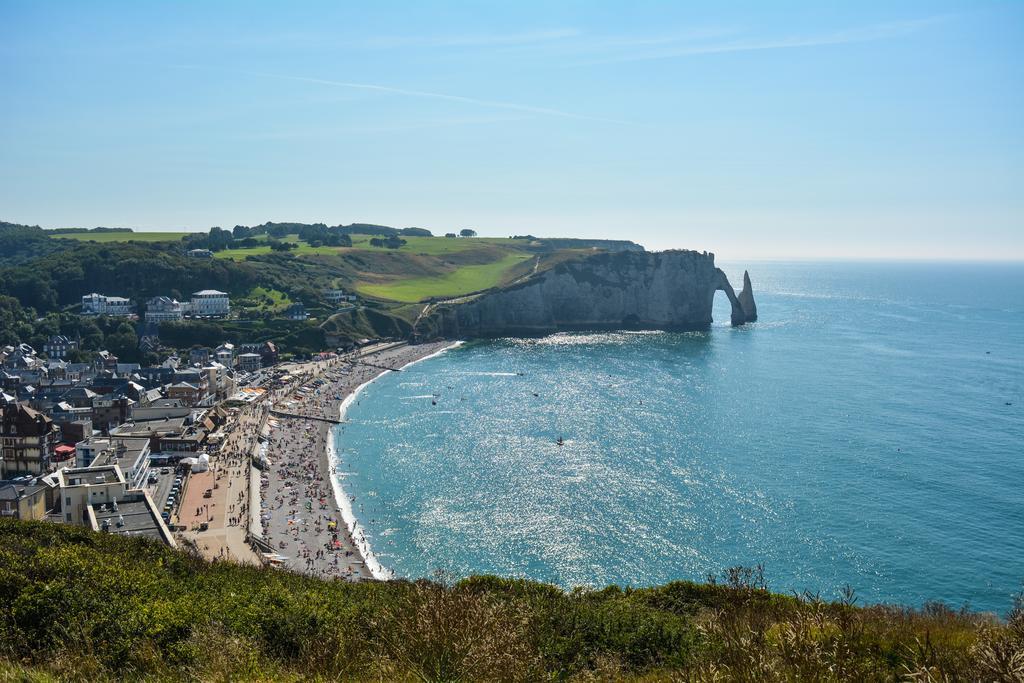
(668, 290)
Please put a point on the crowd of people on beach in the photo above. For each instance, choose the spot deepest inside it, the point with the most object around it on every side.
(300, 518)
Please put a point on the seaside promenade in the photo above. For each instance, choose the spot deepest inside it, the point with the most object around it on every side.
(226, 510)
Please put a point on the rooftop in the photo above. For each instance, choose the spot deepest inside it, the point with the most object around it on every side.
(88, 476)
(132, 518)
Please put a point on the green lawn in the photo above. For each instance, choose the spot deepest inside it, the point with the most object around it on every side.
(462, 281)
(264, 299)
(122, 236)
(302, 250)
(437, 246)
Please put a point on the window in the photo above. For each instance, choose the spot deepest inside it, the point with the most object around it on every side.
(67, 517)
(67, 500)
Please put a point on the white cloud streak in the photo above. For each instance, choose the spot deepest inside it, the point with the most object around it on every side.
(406, 92)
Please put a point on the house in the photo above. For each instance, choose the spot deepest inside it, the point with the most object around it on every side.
(93, 304)
(200, 253)
(185, 392)
(79, 397)
(99, 304)
(118, 306)
(161, 309)
(26, 502)
(296, 312)
(250, 362)
(108, 360)
(225, 354)
(27, 441)
(337, 296)
(199, 356)
(267, 351)
(149, 343)
(58, 346)
(109, 411)
(210, 302)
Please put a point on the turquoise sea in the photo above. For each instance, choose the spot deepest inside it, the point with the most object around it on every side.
(869, 431)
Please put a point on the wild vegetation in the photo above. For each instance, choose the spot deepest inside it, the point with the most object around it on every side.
(78, 605)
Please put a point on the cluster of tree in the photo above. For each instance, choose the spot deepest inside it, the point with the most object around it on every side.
(466, 232)
(20, 243)
(136, 269)
(393, 242)
(242, 236)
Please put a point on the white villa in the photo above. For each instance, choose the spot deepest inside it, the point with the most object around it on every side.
(99, 304)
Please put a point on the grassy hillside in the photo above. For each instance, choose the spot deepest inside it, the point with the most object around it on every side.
(107, 237)
(75, 605)
(422, 268)
(462, 280)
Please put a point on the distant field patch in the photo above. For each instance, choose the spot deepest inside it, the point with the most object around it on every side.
(122, 236)
(431, 246)
(438, 246)
(461, 281)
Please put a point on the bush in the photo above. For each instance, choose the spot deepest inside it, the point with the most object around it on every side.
(79, 605)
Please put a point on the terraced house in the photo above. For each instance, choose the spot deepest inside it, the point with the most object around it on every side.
(27, 441)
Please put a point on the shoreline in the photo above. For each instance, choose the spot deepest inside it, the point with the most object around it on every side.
(305, 514)
(356, 531)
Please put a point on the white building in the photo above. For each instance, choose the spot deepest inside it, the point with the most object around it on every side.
(100, 498)
(336, 296)
(210, 302)
(99, 304)
(131, 455)
(162, 308)
(225, 354)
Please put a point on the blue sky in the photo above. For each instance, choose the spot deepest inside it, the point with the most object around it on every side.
(755, 130)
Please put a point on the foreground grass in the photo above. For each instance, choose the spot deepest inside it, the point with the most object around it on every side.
(463, 280)
(75, 605)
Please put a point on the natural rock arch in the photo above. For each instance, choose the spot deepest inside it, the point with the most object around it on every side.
(744, 310)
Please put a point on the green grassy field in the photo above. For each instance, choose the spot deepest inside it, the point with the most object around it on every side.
(430, 246)
(122, 236)
(464, 280)
(302, 250)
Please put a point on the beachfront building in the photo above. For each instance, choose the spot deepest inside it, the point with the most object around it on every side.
(102, 499)
(250, 362)
(210, 302)
(162, 308)
(225, 354)
(100, 304)
(130, 454)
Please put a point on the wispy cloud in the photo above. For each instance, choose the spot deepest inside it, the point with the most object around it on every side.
(875, 32)
(406, 92)
(470, 40)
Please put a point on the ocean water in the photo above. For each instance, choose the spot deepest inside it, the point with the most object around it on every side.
(868, 431)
